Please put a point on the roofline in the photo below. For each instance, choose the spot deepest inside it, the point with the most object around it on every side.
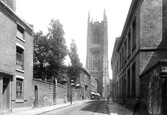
(85, 71)
(115, 46)
(6, 9)
(133, 7)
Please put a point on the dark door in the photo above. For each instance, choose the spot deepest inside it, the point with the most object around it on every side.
(54, 94)
(164, 98)
(36, 96)
(5, 94)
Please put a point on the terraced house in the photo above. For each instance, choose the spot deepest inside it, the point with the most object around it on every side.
(16, 59)
(139, 57)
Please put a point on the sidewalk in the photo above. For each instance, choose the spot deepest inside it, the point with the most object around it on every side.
(116, 109)
(37, 111)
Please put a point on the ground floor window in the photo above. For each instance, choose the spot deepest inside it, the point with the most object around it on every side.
(19, 88)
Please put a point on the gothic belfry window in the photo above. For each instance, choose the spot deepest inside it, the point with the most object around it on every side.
(96, 61)
(96, 38)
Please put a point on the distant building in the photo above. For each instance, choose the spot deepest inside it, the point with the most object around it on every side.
(110, 88)
(83, 84)
(115, 70)
(16, 59)
(93, 91)
(139, 58)
(97, 53)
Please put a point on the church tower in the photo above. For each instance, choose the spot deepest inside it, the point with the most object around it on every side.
(97, 53)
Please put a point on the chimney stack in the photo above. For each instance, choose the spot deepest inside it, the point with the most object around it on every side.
(11, 4)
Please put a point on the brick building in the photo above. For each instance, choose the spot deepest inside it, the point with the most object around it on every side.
(16, 60)
(141, 45)
(83, 82)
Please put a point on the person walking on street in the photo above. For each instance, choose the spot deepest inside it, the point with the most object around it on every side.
(137, 103)
(108, 99)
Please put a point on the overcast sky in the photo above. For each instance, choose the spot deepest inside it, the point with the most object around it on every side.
(73, 15)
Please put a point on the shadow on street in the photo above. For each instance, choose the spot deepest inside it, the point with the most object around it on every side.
(117, 109)
(97, 106)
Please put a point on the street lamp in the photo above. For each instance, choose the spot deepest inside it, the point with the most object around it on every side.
(63, 81)
(71, 84)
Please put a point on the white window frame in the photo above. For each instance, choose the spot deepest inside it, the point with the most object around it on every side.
(22, 47)
(22, 79)
(23, 29)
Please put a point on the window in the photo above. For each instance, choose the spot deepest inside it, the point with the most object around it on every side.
(96, 39)
(117, 67)
(134, 34)
(19, 58)
(20, 32)
(134, 79)
(120, 60)
(124, 86)
(19, 88)
(120, 81)
(128, 83)
(129, 42)
(82, 77)
(122, 55)
(125, 50)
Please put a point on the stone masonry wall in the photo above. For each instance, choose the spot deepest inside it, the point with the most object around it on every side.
(150, 95)
(7, 36)
(152, 38)
(61, 94)
(150, 24)
(43, 93)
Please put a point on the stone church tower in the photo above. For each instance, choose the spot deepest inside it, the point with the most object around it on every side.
(97, 53)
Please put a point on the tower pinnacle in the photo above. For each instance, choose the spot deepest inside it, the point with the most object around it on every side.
(104, 12)
(89, 16)
(104, 15)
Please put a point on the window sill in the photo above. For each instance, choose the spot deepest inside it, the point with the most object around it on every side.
(20, 38)
(19, 70)
(19, 101)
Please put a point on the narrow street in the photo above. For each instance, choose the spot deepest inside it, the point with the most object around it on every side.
(83, 108)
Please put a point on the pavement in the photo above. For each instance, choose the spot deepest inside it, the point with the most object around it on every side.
(117, 109)
(38, 111)
(113, 108)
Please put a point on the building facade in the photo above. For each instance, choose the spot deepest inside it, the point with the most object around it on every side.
(16, 60)
(93, 85)
(141, 45)
(97, 53)
(82, 85)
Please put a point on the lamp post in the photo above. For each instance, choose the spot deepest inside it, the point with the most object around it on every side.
(71, 84)
(63, 81)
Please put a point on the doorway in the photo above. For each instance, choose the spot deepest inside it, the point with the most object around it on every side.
(36, 96)
(164, 97)
(54, 92)
(6, 94)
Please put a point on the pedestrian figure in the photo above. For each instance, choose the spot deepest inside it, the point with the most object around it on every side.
(137, 103)
(108, 99)
(124, 101)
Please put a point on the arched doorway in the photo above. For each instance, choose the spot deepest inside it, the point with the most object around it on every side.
(36, 96)
(164, 98)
